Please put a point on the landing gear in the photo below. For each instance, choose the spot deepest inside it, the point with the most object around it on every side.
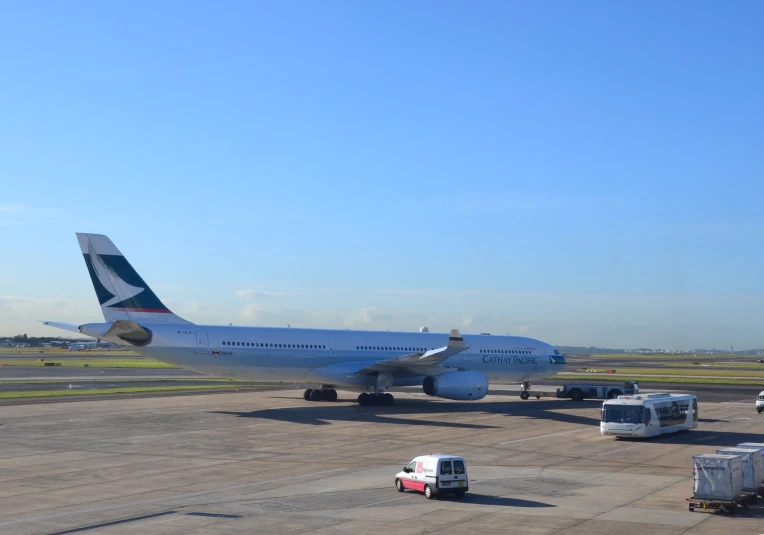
(320, 394)
(372, 400)
(525, 386)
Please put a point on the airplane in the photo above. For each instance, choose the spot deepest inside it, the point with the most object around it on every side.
(445, 365)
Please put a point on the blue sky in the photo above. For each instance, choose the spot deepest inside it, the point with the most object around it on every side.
(586, 173)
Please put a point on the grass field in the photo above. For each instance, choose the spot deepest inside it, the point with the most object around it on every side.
(117, 390)
(92, 363)
(670, 357)
(594, 379)
(695, 372)
(736, 365)
(44, 352)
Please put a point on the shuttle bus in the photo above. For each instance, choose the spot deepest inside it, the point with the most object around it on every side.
(647, 415)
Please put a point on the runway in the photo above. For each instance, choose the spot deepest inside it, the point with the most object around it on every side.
(269, 462)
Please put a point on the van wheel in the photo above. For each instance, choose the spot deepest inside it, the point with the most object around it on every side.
(428, 492)
(399, 485)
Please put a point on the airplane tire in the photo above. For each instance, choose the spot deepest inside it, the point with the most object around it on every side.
(331, 395)
(387, 400)
(307, 393)
(524, 395)
(316, 395)
(363, 399)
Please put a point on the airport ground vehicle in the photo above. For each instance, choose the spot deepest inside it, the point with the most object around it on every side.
(434, 474)
(648, 415)
(725, 506)
(577, 392)
(760, 402)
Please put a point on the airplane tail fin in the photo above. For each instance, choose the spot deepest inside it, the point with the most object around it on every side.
(120, 290)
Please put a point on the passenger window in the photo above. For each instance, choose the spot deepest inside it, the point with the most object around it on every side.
(445, 468)
(458, 467)
(412, 466)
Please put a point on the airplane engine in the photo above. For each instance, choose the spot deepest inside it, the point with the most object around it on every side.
(460, 386)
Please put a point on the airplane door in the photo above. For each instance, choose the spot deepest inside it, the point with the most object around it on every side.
(468, 355)
(332, 350)
(202, 342)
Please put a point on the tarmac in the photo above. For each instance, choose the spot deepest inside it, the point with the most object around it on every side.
(269, 462)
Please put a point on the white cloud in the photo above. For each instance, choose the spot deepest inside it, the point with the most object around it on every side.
(256, 295)
(23, 314)
(5, 208)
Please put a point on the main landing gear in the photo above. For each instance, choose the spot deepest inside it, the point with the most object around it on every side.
(525, 386)
(320, 394)
(371, 400)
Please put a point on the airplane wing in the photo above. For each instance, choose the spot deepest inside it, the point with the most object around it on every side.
(425, 359)
(357, 373)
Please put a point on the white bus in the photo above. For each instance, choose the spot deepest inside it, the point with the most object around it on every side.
(647, 415)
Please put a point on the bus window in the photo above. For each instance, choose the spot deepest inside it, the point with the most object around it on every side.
(628, 414)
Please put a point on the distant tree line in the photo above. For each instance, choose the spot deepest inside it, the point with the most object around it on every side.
(39, 340)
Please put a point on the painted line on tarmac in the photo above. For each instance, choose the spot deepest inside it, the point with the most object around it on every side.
(624, 449)
(546, 436)
(157, 522)
(166, 498)
(385, 501)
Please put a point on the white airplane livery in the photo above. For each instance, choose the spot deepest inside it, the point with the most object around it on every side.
(449, 366)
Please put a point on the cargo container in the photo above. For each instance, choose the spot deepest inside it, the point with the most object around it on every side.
(751, 468)
(717, 477)
(756, 446)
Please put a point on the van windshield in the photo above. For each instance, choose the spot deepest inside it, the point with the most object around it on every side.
(458, 467)
(627, 414)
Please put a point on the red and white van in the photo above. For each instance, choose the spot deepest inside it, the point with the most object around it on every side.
(434, 474)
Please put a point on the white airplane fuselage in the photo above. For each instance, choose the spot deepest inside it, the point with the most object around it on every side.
(294, 355)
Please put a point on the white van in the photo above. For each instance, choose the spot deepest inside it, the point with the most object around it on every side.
(760, 402)
(434, 474)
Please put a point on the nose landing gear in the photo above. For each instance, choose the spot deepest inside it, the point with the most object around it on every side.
(320, 394)
(525, 387)
(378, 399)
